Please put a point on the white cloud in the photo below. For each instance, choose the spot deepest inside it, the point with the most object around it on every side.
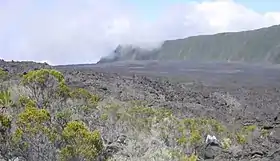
(70, 31)
(226, 15)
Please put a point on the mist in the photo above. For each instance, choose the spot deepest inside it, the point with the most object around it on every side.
(75, 32)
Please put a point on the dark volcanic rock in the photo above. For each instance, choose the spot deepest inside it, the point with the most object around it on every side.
(245, 105)
(19, 67)
(210, 151)
(253, 105)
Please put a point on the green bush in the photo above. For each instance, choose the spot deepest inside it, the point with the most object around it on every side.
(5, 99)
(226, 143)
(46, 85)
(5, 121)
(81, 143)
(3, 75)
(56, 122)
(87, 98)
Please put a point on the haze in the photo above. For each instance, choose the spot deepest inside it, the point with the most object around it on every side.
(75, 32)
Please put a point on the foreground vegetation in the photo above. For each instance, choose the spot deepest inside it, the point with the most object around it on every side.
(42, 118)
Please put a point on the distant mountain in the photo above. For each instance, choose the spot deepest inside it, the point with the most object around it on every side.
(257, 46)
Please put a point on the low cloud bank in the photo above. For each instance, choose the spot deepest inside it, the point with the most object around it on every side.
(68, 32)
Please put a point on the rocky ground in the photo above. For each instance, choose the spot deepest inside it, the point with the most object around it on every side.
(228, 101)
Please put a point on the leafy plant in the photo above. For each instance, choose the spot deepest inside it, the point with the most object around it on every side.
(5, 121)
(5, 98)
(193, 157)
(264, 132)
(241, 138)
(85, 96)
(34, 134)
(226, 143)
(243, 134)
(45, 84)
(3, 75)
(80, 143)
(180, 156)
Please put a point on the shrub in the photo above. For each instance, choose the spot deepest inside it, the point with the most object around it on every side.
(5, 99)
(264, 133)
(34, 134)
(3, 75)
(86, 98)
(248, 129)
(80, 143)
(226, 143)
(243, 135)
(241, 138)
(38, 132)
(57, 122)
(180, 156)
(45, 85)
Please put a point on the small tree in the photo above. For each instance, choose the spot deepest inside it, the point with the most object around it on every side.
(34, 136)
(80, 143)
(46, 85)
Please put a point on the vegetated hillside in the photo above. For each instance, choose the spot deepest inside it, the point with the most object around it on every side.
(80, 114)
(261, 45)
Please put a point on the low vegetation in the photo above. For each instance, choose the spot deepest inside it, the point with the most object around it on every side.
(42, 118)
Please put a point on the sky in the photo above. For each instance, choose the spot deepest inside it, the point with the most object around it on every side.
(83, 31)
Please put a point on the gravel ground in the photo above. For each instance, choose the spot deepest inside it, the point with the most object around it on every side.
(225, 91)
(249, 94)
